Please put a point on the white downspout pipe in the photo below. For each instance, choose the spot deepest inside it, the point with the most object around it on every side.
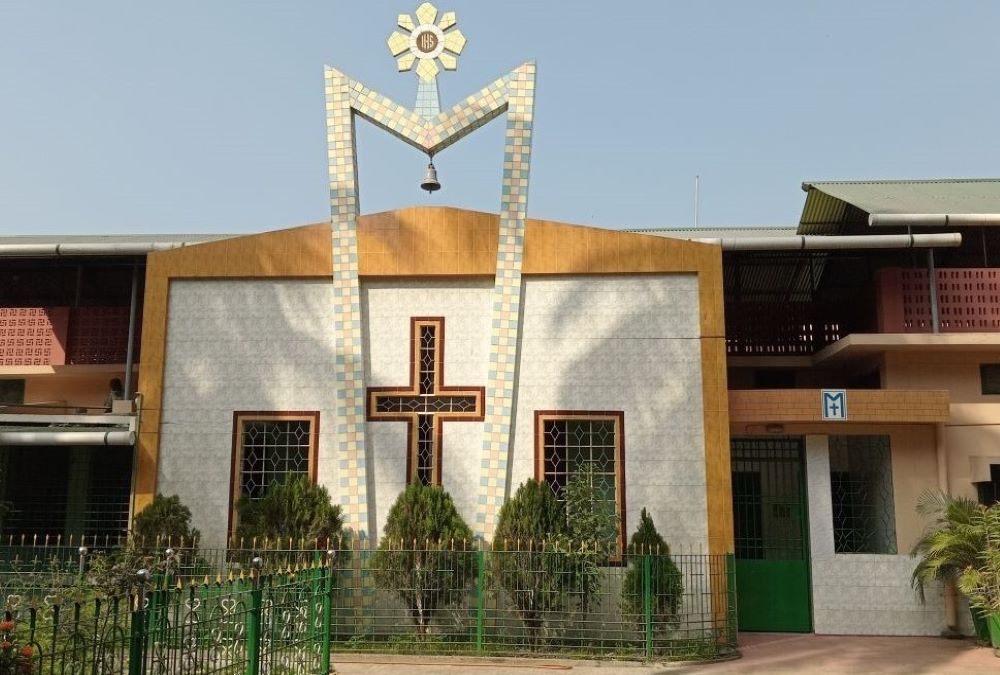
(47, 437)
(934, 220)
(809, 242)
(60, 250)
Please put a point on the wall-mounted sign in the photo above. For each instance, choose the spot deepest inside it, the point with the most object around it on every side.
(834, 402)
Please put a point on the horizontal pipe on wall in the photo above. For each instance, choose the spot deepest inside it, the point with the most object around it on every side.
(59, 250)
(934, 219)
(808, 242)
(49, 437)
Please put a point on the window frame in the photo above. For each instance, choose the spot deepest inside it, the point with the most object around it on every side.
(982, 379)
(412, 419)
(241, 417)
(616, 416)
(889, 493)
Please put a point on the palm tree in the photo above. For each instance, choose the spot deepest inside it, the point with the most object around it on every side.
(953, 540)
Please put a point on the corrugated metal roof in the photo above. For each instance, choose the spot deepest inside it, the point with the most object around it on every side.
(718, 232)
(831, 206)
(110, 238)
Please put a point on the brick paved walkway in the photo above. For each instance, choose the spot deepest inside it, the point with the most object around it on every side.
(762, 653)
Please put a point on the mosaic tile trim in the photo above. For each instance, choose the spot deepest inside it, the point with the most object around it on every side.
(435, 133)
(349, 367)
(513, 93)
(506, 298)
(428, 101)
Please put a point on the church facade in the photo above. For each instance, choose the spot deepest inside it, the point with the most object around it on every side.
(621, 366)
(784, 396)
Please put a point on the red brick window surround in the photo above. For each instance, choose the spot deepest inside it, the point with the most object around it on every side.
(568, 440)
(268, 447)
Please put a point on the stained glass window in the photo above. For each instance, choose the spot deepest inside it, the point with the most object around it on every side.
(425, 403)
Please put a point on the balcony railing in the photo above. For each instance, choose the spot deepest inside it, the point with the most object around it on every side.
(968, 300)
(55, 336)
(781, 329)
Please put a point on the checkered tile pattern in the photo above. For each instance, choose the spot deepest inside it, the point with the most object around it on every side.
(506, 298)
(428, 101)
(514, 93)
(432, 134)
(349, 370)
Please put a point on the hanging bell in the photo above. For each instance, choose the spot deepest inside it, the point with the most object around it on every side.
(430, 181)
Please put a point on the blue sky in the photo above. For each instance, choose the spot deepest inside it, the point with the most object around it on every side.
(196, 116)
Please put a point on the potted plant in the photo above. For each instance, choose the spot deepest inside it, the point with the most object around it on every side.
(952, 542)
(981, 580)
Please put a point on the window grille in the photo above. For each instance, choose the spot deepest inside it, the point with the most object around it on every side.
(11, 392)
(271, 448)
(989, 378)
(81, 491)
(108, 492)
(571, 443)
(768, 498)
(864, 519)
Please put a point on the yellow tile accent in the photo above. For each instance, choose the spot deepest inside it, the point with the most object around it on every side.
(426, 13)
(447, 20)
(405, 21)
(398, 43)
(454, 42)
(427, 69)
(886, 406)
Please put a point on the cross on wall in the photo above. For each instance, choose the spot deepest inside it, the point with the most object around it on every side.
(426, 403)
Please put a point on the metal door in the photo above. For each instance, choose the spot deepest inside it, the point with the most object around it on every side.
(772, 542)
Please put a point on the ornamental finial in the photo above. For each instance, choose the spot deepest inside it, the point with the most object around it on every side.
(430, 43)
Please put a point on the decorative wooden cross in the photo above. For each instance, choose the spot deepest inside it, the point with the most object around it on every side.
(426, 404)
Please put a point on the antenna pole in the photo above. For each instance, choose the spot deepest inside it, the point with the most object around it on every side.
(697, 181)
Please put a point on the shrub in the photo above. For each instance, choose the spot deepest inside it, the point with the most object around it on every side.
(592, 530)
(666, 582)
(528, 560)
(293, 509)
(424, 555)
(952, 541)
(165, 519)
(981, 580)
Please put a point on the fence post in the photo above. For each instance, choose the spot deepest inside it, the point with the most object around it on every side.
(137, 637)
(647, 602)
(82, 551)
(324, 664)
(254, 619)
(480, 597)
(732, 620)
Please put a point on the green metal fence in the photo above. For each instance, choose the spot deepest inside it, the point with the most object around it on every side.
(285, 610)
(249, 624)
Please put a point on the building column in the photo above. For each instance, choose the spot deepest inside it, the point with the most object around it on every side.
(950, 592)
(76, 491)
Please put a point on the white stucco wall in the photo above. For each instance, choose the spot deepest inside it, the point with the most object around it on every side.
(239, 345)
(387, 307)
(626, 343)
(862, 594)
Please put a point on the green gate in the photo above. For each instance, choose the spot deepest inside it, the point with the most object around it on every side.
(772, 537)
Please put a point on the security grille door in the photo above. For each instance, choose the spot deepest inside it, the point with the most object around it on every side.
(769, 517)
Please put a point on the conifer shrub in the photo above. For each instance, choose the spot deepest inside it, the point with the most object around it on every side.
(165, 520)
(294, 510)
(529, 554)
(592, 531)
(426, 554)
(666, 583)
